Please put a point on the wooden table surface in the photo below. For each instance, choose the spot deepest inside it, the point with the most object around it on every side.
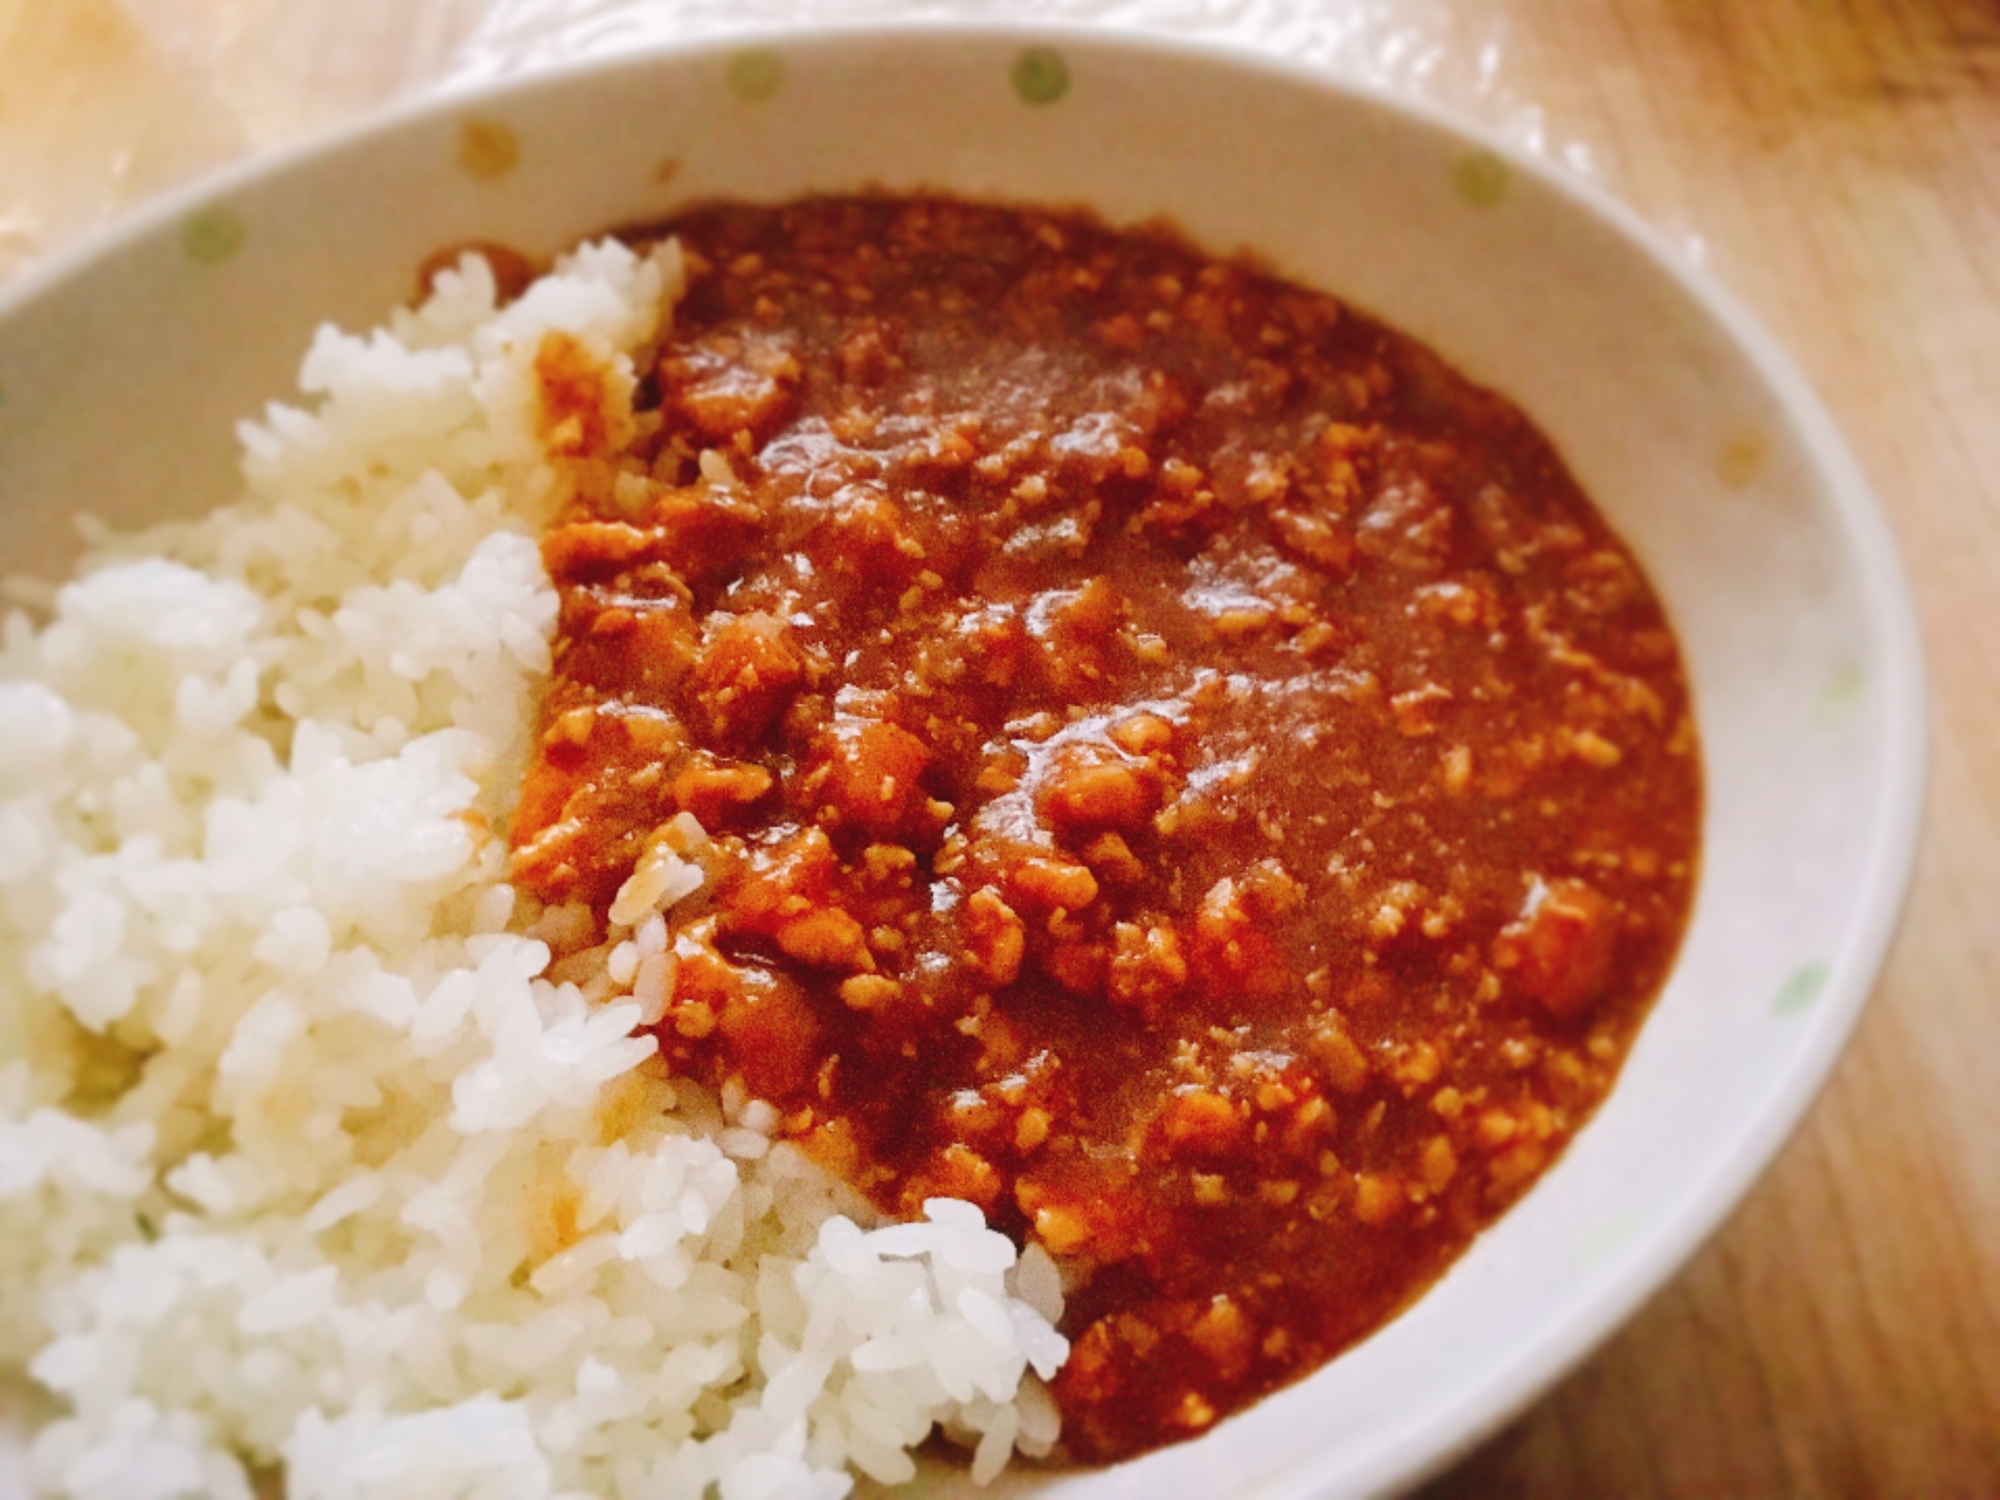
(1838, 164)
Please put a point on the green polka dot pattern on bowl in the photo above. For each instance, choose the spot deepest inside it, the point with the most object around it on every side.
(1742, 459)
(1799, 991)
(755, 74)
(1040, 75)
(210, 237)
(1840, 695)
(487, 149)
(1481, 179)
(1601, 1243)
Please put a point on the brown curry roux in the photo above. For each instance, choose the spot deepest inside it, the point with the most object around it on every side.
(1187, 771)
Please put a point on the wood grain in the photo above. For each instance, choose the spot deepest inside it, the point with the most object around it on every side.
(1842, 1336)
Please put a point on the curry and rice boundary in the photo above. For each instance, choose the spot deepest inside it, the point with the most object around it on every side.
(307, 1165)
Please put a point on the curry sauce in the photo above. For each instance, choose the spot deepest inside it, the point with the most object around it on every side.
(1174, 763)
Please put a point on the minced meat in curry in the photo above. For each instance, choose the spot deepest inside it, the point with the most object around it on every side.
(1185, 770)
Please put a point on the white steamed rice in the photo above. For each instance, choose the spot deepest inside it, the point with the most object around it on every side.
(311, 1167)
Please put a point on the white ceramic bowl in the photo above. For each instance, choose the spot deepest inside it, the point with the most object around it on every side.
(123, 369)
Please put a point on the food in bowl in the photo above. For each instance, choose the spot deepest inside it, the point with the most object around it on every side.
(1018, 721)
(1176, 766)
(315, 1165)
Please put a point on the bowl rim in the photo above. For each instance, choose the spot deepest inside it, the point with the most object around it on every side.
(1447, 1433)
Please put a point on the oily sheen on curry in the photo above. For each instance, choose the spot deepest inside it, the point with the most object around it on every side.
(1174, 764)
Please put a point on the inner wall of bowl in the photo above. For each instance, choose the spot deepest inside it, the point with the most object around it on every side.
(119, 387)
